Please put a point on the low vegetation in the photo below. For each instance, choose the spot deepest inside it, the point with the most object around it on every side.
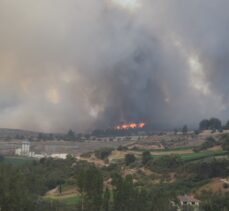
(103, 153)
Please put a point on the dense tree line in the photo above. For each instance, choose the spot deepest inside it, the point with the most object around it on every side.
(210, 142)
(22, 188)
(211, 124)
(215, 202)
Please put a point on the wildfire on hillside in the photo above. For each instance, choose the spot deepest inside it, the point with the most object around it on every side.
(130, 126)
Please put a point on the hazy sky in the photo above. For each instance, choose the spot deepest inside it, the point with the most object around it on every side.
(84, 64)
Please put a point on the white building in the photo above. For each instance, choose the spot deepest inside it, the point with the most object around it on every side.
(24, 150)
(59, 156)
(18, 152)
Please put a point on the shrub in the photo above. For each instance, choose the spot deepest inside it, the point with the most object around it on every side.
(225, 186)
(129, 158)
(86, 155)
(122, 148)
(103, 153)
(165, 163)
(210, 142)
(225, 145)
(146, 157)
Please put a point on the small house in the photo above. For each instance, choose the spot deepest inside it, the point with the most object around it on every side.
(188, 200)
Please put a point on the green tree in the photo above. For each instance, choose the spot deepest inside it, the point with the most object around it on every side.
(225, 145)
(204, 124)
(185, 129)
(90, 183)
(165, 163)
(129, 158)
(15, 195)
(146, 157)
(123, 193)
(71, 135)
(226, 127)
(60, 189)
(216, 202)
(215, 124)
(128, 197)
(106, 200)
(103, 153)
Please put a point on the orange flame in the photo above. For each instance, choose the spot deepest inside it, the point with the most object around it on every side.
(130, 126)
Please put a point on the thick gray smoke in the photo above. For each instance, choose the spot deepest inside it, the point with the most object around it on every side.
(95, 63)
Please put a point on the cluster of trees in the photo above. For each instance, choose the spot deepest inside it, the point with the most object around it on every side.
(215, 202)
(165, 163)
(90, 183)
(122, 148)
(116, 133)
(124, 195)
(69, 136)
(184, 130)
(210, 142)
(146, 157)
(129, 158)
(22, 186)
(103, 153)
(211, 124)
(208, 169)
(44, 136)
(225, 142)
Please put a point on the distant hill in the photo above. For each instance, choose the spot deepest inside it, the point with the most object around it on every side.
(9, 134)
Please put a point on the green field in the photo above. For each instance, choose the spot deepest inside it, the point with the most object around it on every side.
(68, 199)
(17, 160)
(72, 200)
(164, 150)
(199, 155)
(202, 155)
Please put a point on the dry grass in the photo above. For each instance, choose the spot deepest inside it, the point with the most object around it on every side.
(177, 152)
(215, 186)
(93, 159)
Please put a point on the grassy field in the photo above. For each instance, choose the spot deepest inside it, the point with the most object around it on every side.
(197, 156)
(17, 160)
(69, 195)
(164, 150)
(202, 155)
(71, 200)
(186, 153)
(66, 199)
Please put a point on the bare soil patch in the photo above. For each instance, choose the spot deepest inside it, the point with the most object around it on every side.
(215, 186)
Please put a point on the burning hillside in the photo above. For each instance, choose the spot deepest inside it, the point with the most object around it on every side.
(132, 125)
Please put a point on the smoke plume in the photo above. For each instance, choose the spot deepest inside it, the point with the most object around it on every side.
(95, 63)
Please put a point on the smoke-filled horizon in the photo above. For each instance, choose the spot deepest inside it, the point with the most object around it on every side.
(95, 63)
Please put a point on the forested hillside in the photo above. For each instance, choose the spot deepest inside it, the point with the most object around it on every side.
(136, 182)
